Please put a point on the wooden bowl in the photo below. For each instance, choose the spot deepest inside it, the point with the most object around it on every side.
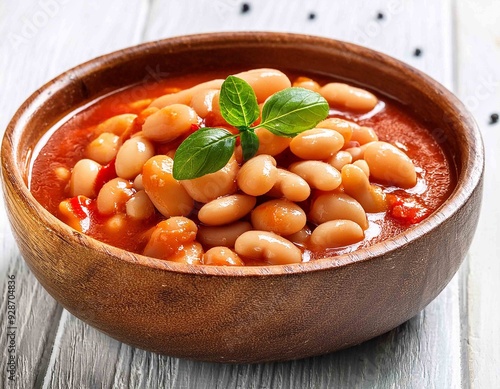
(244, 314)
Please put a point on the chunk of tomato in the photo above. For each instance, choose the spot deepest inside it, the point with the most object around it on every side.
(406, 209)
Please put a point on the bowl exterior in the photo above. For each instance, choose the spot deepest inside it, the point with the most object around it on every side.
(246, 314)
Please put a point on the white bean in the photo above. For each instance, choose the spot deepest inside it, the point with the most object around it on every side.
(225, 235)
(343, 95)
(222, 256)
(389, 164)
(202, 101)
(138, 185)
(145, 113)
(132, 156)
(337, 233)
(190, 254)
(269, 143)
(291, 186)
(333, 206)
(214, 117)
(306, 83)
(340, 159)
(361, 163)
(258, 175)
(317, 143)
(139, 206)
(169, 123)
(265, 82)
(140, 104)
(357, 185)
(113, 196)
(225, 210)
(358, 152)
(364, 135)
(117, 125)
(167, 194)
(300, 238)
(344, 127)
(62, 173)
(268, 247)
(115, 223)
(210, 186)
(280, 216)
(83, 177)
(185, 96)
(169, 236)
(104, 148)
(319, 175)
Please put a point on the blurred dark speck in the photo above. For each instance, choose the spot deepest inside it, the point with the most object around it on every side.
(245, 7)
(380, 16)
(417, 52)
(493, 118)
(312, 16)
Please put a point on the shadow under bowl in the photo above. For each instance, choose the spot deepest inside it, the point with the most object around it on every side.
(245, 314)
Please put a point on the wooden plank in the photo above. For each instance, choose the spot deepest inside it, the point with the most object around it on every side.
(404, 27)
(85, 361)
(424, 352)
(479, 88)
(40, 39)
(36, 319)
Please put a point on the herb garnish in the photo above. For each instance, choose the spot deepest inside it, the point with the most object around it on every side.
(286, 113)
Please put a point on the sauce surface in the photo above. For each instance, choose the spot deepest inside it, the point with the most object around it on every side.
(406, 207)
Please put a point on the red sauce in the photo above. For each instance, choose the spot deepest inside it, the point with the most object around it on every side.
(391, 123)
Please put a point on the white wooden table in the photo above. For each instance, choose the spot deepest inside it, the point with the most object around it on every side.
(453, 343)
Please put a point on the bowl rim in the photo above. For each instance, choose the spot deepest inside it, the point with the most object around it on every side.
(471, 174)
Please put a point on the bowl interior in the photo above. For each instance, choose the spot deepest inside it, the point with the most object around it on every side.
(451, 125)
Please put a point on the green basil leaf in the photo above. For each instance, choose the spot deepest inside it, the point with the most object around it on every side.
(249, 144)
(238, 103)
(293, 110)
(204, 151)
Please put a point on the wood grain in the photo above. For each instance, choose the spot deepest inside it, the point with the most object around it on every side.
(42, 39)
(479, 88)
(397, 359)
(430, 347)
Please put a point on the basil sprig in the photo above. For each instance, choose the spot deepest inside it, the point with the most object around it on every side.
(286, 113)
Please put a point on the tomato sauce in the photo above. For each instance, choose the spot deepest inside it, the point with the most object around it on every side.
(392, 123)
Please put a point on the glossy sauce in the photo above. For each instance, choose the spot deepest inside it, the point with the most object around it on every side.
(435, 176)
